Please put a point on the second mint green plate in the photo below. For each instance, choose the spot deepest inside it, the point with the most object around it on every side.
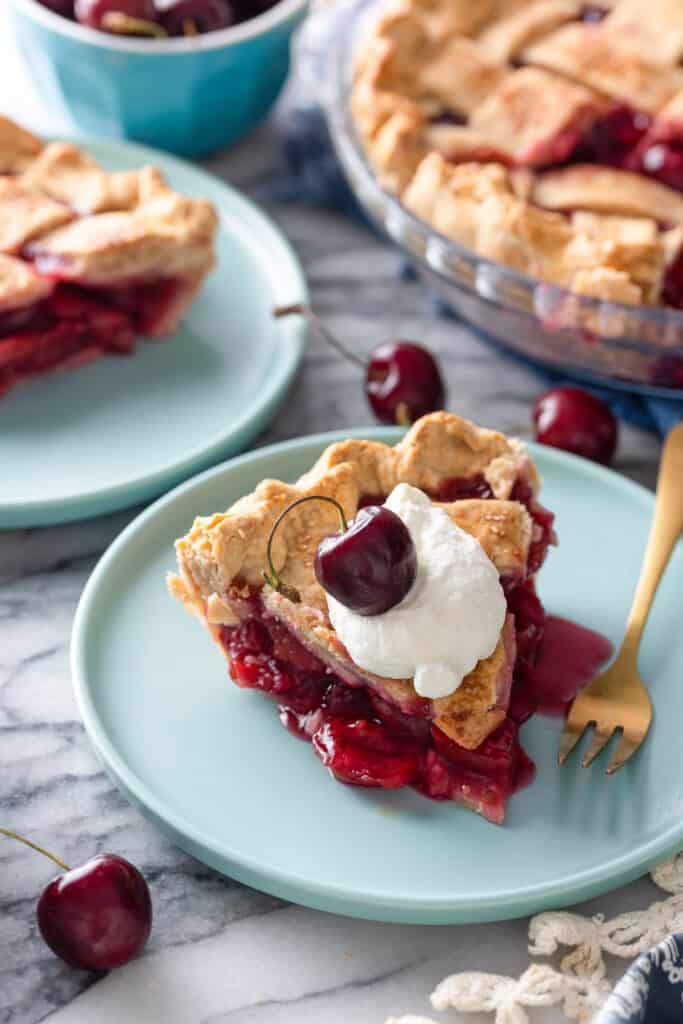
(123, 430)
(212, 766)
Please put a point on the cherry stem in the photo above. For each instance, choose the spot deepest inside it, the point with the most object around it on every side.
(125, 24)
(34, 846)
(298, 309)
(272, 577)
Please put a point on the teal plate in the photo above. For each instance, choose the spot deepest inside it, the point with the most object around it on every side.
(121, 431)
(212, 766)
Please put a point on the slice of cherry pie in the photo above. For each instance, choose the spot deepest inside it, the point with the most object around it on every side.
(370, 730)
(546, 135)
(89, 259)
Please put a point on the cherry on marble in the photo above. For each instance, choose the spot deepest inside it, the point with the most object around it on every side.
(578, 422)
(97, 916)
(402, 379)
(403, 382)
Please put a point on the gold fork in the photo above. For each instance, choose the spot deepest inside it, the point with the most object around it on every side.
(617, 699)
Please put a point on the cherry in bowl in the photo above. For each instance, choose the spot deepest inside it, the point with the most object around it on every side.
(195, 17)
(96, 13)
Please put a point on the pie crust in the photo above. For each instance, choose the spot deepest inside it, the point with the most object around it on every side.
(89, 259)
(501, 123)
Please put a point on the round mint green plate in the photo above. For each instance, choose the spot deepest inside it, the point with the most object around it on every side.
(212, 766)
(123, 430)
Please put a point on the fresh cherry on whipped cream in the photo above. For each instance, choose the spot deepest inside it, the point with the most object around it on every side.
(402, 379)
(576, 421)
(97, 916)
(369, 565)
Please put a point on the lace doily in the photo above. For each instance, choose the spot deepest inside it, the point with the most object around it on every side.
(578, 984)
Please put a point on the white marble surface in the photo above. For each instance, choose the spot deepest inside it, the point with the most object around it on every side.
(220, 952)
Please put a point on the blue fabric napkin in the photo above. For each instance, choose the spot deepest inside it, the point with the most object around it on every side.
(651, 991)
(311, 176)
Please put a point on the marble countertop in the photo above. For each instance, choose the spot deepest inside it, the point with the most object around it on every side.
(220, 952)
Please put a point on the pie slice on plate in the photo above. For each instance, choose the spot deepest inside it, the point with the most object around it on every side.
(368, 729)
(89, 259)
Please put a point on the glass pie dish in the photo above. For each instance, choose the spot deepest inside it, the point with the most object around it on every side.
(638, 348)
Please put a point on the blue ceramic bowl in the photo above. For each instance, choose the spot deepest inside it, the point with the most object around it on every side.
(190, 96)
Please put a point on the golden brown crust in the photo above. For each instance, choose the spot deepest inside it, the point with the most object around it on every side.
(613, 63)
(426, 63)
(609, 191)
(25, 214)
(18, 148)
(165, 234)
(82, 223)
(224, 553)
(478, 206)
(72, 177)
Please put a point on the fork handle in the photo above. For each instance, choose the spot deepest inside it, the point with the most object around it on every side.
(667, 526)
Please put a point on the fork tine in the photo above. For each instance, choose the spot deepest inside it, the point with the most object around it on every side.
(597, 745)
(626, 749)
(570, 737)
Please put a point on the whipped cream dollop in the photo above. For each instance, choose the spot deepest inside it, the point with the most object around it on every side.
(449, 620)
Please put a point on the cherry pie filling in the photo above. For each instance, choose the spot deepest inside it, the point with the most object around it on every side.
(74, 325)
(366, 741)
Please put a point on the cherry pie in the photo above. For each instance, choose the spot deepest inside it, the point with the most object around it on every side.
(546, 135)
(368, 730)
(88, 259)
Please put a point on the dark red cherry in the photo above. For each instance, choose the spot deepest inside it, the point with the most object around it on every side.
(63, 7)
(246, 9)
(614, 137)
(197, 16)
(97, 916)
(403, 382)
(402, 379)
(672, 289)
(576, 421)
(91, 12)
(371, 566)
